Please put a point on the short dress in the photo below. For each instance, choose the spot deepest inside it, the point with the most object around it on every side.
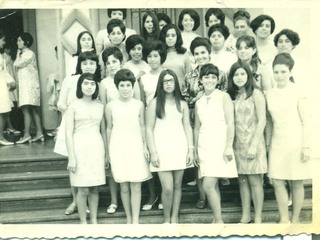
(28, 78)
(289, 134)
(170, 141)
(245, 126)
(5, 103)
(213, 137)
(128, 163)
(88, 145)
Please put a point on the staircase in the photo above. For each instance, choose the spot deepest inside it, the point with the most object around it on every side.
(34, 188)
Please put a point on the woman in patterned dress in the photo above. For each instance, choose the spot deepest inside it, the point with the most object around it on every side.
(249, 145)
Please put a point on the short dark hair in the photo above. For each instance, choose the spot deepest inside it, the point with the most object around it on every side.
(155, 45)
(209, 68)
(27, 39)
(124, 75)
(241, 15)
(123, 10)
(179, 43)
(132, 41)
(78, 42)
(111, 51)
(91, 77)
(285, 59)
(116, 23)
(223, 29)
(193, 14)
(164, 17)
(200, 41)
(216, 12)
(255, 23)
(291, 35)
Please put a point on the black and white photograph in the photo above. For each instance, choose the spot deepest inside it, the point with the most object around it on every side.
(158, 118)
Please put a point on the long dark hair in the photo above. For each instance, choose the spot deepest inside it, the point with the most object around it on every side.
(178, 45)
(88, 56)
(160, 94)
(156, 33)
(249, 86)
(79, 45)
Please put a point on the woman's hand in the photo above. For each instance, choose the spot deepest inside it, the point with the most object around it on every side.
(107, 162)
(196, 159)
(155, 160)
(146, 153)
(62, 107)
(72, 165)
(228, 153)
(305, 154)
(252, 152)
(190, 157)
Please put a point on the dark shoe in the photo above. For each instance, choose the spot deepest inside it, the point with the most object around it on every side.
(201, 204)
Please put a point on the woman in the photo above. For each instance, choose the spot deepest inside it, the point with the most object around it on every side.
(169, 138)
(247, 52)
(150, 29)
(177, 58)
(214, 16)
(213, 138)
(5, 84)
(29, 88)
(85, 144)
(249, 145)
(289, 151)
(263, 26)
(127, 145)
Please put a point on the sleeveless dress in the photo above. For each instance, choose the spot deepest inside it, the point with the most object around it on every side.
(289, 135)
(170, 141)
(213, 137)
(128, 163)
(88, 145)
(245, 126)
(5, 103)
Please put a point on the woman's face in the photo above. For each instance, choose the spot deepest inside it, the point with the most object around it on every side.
(2, 42)
(284, 44)
(217, 40)
(171, 38)
(125, 89)
(148, 25)
(162, 23)
(154, 59)
(187, 23)
(201, 55)
(281, 75)
(168, 83)
(244, 52)
(116, 36)
(264, 30)
(88, 66)
(241, 27)
(240, 78)
(136, 52)
(86, 42)
(113, 65)
(88, 87)
(20, 43)
(213, 20)
(209, 82)
(117, 15)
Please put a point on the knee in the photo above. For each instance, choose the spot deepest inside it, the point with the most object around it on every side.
(136, 187)
(83, 191)
(167, 190)
(124, 189)
(94, 190)
(278, 183)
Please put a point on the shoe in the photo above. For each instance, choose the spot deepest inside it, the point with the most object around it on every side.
(71, 209)
(24, 140)
(148, 207)
(251, 221)
(225, 182)
(13, 131)
(160, 206)
(193, 183)
(112, 208)
(201, 204)
(5, 142)
(36, 139)
(88, 211)
(289, 203)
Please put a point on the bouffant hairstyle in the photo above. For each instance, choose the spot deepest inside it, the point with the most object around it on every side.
(116, 23)
(223, 29)
(291, 35)
(123, 10)
(155, 35)
(255, 23)
(79, 45)
(216, 12)
(91, 77)
(249, 85)
(200, 41)
(124, 75)
(285, 59)
(156, 45)
(26, 38)
(207, 69)
(241, 15)
(193, 14)
(132, 41)
(88, 56)
(178, 46)
(111, 51)
(160, 93)
(164, 17)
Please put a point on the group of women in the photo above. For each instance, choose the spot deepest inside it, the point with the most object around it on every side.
(171, 100)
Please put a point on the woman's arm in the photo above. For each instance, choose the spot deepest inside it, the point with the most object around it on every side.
(188, 132)
(260, 107)
(143, 130)
(102, 93)
(109, 123)
(196, 129)
(150, 123)
(304, 112)
(103, 130)
(229, 116)
(136, 91)
(142, 93)
(24, 59)
(69, 130)
(266, 79)
(63, 97)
